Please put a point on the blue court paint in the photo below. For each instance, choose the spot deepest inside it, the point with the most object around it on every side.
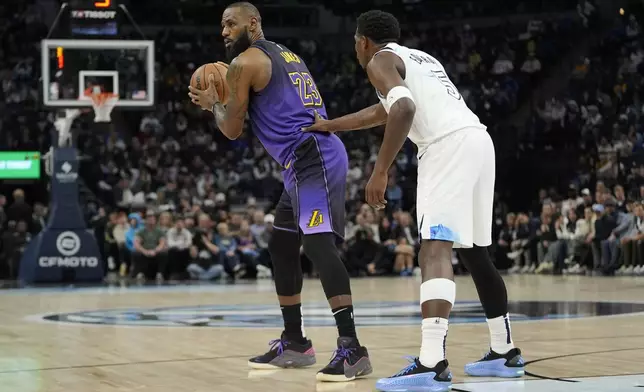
(318, 315)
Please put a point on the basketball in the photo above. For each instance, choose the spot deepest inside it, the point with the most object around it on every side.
(199, 78)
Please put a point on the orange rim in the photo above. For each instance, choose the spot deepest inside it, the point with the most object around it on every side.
(100, 98)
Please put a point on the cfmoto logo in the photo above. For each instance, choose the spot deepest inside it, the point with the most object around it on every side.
(67, 167)
(68, 243)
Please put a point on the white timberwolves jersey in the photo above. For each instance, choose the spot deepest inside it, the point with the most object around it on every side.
(440, 108)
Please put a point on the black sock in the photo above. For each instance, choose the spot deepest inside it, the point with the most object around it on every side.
(344, 321)
(292, 315)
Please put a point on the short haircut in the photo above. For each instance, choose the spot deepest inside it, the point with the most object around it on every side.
(379, 26)
(249, 8)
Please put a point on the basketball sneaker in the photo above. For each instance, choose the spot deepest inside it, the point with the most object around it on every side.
(349, 361)
(285, 354)
(418, 378)
(509, 365)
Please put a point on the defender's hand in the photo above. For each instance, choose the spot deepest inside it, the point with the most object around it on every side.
(207, 98)
(319, 125)
(375, 191)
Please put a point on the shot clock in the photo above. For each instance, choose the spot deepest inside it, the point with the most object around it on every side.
(94, 18)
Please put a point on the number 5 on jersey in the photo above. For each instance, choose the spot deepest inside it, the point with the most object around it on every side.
(306, 89)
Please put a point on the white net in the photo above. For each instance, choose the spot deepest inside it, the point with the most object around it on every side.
(103, 105)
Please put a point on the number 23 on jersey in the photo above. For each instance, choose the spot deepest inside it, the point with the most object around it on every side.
(306, 89)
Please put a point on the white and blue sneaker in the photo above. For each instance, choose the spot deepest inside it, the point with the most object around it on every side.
(508, 365)
(418, 378)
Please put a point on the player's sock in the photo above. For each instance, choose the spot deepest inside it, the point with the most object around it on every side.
(344, 320)
(293, 323)
(500, 334)
(434, 337)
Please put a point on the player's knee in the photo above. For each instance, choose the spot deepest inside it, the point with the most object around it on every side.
(284, 249)
(323, 252)
(319, 246)
(282, 244)
(475, 258)
(435, 251)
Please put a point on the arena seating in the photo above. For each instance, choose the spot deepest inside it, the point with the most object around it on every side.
(173, 161)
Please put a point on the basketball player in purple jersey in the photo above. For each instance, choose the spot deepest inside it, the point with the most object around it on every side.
(274, 86)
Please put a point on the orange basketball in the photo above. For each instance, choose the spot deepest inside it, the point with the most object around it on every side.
(199, 78)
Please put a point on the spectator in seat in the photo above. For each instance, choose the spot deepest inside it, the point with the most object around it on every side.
(14, 241)
(227, 245)
(620, 198)
(531, 65)
(503, 244)
(19, 210)
(111, 248)
(262, 235)
(118, 232)
(179, 242)
(165, 221)
(362, 249)
(610, 246)
(394, 193)
(205, 261)
(151, 256)
(3, 214)
(547, 245)
(39, 220)
(572, 201)
(572, 233)
(136, 224)
(383, 263)
(235, 224)
(258, 226)
(519, 246)
(249, 251)
(587, 201)
(404, 261)
(406, 230)
(631, 244)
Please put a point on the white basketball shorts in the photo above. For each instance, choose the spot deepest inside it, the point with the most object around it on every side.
(456, 189)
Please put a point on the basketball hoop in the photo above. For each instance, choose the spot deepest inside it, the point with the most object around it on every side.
(103, 103)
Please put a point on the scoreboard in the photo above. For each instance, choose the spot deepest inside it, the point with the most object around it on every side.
(94, 19)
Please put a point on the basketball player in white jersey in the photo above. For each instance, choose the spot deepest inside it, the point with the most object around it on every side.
(456, 171)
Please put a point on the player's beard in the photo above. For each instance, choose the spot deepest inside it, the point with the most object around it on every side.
(239, 45)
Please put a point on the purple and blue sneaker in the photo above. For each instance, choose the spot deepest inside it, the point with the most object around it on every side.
(349, 361)
(418, 378)
(508, 365)
(285, 354)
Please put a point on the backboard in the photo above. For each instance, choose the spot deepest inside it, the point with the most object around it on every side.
(73, 68)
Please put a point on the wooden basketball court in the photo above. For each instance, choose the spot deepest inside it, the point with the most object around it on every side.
(198, 338)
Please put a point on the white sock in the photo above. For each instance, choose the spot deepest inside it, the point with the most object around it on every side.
(434, 335)
(500, 334)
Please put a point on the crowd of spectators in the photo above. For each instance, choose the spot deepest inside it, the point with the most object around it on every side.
(178, 200)
(597, 224)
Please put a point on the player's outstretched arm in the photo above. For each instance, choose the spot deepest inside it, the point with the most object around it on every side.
(384, 76)
(364, 119)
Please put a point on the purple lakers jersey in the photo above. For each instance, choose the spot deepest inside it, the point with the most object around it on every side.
(286, 105)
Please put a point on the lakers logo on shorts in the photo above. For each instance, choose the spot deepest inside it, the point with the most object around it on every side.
(316, 219)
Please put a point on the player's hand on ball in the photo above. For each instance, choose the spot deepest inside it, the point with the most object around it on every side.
(207, 98)
(375, 191)
(320, 124)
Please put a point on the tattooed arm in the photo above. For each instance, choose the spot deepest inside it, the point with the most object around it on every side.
(230, 118)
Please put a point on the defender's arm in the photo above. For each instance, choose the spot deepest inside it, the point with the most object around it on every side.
(230, 118)
(366, 118)
(384, 76)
